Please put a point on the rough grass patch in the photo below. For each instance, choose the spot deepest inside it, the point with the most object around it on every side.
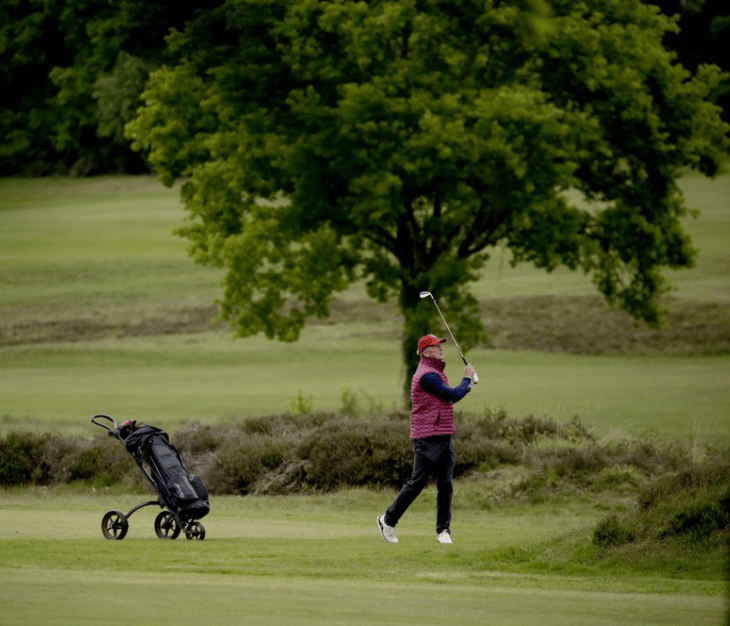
(692, 505)
(612, 532)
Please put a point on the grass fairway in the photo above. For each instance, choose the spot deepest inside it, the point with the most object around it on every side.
(173, 380)
(102, 311)
(316, 560)
(96, 289)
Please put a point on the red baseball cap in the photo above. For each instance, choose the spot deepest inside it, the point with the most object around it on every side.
(428, 340)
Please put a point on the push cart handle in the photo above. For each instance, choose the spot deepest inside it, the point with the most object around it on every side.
(100, 416)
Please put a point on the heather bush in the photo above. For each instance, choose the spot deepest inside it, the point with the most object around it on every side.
(196, 440)
(693, 482)
(67, 460)
(99, 463)
(356, 453)
(240, 462)
(475, 450)
(652, 457)
(612, 532)
(692, 505)
(495, 424)
(286, 423)
(20, 459)
(324, 451)
(27, 458)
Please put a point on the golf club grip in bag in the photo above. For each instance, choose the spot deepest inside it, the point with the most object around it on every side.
(183, 492)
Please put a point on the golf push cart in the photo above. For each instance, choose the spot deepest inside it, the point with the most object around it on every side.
(183, 496)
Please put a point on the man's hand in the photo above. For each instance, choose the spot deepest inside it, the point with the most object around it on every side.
(470, 372)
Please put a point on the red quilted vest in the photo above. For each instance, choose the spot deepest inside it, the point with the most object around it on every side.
(430, 415)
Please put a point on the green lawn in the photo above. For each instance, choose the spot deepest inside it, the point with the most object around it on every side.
(73, 247)
(91, 266)
(76, 255)
(316, 560)
(707, 281)
(209, 378)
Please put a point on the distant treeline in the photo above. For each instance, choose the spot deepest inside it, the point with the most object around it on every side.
(73, 72)
(72, 75)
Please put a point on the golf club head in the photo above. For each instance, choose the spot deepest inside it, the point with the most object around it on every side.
(425, 294)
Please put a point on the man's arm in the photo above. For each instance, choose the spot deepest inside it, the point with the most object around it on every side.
(433, 384)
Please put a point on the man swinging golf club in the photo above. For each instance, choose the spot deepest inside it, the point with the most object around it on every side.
(432, 428)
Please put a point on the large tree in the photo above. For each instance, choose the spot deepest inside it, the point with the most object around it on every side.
(399, 141)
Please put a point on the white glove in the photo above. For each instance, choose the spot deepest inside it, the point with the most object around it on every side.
(474, 378)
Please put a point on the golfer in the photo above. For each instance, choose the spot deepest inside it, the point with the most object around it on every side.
(432, 427)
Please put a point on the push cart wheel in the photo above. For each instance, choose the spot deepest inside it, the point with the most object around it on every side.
(114, 525)
(195, 530)
(166, 526)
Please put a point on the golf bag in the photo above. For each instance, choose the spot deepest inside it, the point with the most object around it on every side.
(183, 493)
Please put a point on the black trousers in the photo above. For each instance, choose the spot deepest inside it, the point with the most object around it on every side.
(432, 455)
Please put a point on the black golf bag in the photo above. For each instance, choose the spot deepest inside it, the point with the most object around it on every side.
(182, 495)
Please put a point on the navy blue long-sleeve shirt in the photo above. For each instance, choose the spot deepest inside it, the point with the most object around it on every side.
(433, 384)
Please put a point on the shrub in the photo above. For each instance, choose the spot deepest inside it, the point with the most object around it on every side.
(47, 460)
(617, 477)
(101, 463)
(611, 532)
(652, 457)
(575, 462)
(195, 440)
(301, 403)
(697, 521)
(20, 459)
(495, 424)
(692, 505)
(239, 463)
(289, 453)
(474, 450)
(356, 453)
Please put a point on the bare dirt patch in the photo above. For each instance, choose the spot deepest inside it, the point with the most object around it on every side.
(575, 325)
(113, 323)
(586, 325)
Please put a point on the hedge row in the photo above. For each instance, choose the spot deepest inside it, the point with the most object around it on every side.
(287, 453)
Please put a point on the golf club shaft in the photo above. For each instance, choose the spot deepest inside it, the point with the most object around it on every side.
(447, 328)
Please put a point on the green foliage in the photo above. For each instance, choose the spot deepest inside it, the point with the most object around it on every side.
(72, 73)
(118, 95)
(302, 402)
(704, 28)
(398, 143)
(19, 459)
(355, 453)
(27, 458)
(241, 462)
(295, 453)
(29, 46)
(350, 405)
(691, 505)
(610, 532)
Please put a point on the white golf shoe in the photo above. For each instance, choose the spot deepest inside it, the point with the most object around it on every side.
(387, 532)
(444, 537)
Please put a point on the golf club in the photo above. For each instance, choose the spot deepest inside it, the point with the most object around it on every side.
(426, 294)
